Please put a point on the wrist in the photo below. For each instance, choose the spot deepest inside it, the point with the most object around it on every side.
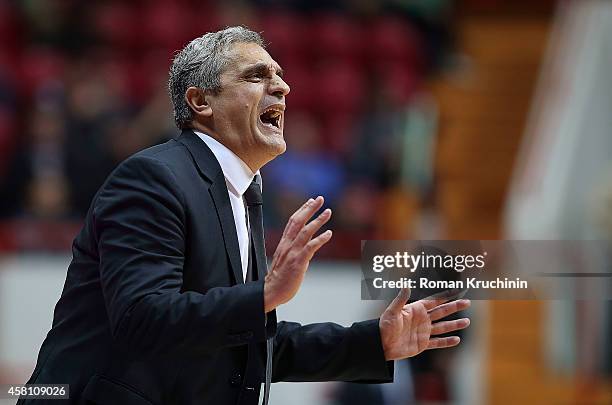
(269, 301)
(383, 342)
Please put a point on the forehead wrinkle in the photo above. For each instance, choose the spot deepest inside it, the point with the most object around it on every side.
(244, 60)
(262, 66)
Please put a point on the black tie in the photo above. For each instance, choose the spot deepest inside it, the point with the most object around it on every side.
(254, 202)
(257, 252)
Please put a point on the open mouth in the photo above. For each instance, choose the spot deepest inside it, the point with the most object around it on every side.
(271, 117)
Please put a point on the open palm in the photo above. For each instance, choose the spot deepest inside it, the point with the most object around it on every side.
(407, 329)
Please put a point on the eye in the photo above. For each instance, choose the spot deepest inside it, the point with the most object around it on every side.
(256, 77)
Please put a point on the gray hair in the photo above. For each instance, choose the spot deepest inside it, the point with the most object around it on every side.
(200, 64)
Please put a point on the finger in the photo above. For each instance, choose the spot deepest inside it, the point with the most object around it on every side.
(448, 309)
(287, 239)
(313, 226)
(444, 342)
(302, 208)
(440, 298)
(315, 244)
(449, 326)
(398, 302)
(299, 219)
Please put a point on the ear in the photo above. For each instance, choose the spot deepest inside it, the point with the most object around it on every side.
(198, 102)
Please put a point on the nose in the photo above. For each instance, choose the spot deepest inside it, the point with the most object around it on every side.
(278, 87)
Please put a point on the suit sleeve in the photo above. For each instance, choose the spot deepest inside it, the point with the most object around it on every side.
(139, 223)
(330, 352)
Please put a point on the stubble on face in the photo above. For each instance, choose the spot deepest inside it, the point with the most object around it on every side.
(252, 91)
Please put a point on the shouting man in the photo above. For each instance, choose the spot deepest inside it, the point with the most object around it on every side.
(169, 298)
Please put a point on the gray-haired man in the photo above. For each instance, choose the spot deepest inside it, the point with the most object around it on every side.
(169, 300)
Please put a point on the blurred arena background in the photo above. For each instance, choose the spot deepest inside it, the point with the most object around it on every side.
(416, 119)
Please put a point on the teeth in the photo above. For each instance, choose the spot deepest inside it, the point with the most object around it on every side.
(271, 117)
(272, 113)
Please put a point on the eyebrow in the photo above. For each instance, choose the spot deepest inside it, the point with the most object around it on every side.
(262, 68)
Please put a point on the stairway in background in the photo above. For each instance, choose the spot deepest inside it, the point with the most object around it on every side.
(483, 108)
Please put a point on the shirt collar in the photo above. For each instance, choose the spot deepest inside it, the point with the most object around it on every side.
(237, 174)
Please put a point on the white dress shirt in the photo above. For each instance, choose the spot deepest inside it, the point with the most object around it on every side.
(238, 177)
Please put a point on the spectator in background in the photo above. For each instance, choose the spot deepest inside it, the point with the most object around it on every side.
(79, 130)
(34, 183)
(63, 25)
(374, 157)
(306, 169)
(8, 107)
(151, 125)
(93, 110)
(103, 133)
(372, 161)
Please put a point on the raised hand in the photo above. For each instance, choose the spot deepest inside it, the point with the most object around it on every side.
(294, 252)
(407, 329)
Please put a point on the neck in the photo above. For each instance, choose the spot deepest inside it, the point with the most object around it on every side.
(253, 163)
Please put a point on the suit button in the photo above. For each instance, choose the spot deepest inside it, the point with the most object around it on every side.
(236, 380)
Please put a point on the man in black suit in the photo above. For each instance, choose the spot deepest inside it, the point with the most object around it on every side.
(168, 299)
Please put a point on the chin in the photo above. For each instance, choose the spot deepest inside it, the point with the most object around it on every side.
(278, 148)
(270, 144)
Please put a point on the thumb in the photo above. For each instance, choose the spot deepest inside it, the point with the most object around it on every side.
(398, 302)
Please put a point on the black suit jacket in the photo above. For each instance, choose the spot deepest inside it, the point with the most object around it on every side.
(154, 309)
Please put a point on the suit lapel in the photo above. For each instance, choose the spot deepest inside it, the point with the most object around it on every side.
(209, 167)
(218, 192)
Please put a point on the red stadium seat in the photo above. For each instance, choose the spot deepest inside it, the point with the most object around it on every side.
(202, 20)
(8, 137)
(339, 88)
(38, 67)
(133, 75)
(401, 81)
(9, 65)
(302, 90)
(140, 79)
(335, 37)
(283, 33)
(166, 25)
(337, 131)
(9, 31)
(114, 66)
(118, 24)
(393, 40)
